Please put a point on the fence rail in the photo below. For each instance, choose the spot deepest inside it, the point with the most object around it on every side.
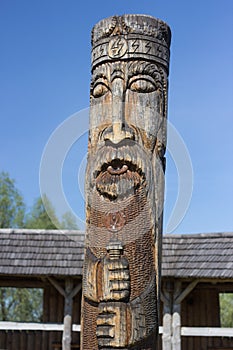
(185, 331)
(206, 332)
(26, 326)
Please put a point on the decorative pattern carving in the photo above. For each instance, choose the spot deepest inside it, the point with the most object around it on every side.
(125, 183)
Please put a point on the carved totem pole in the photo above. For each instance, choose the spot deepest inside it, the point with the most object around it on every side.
(125, 183)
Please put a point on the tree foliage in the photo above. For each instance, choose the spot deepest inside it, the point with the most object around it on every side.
(68, 221)
(226, 309)
(25, 304)
(41, 218)
(12, 207)
(21, 304)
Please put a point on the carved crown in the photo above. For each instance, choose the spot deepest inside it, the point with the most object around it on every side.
(131, 37)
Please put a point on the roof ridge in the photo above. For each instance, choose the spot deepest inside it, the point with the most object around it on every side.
(198, 235)
(41, 231)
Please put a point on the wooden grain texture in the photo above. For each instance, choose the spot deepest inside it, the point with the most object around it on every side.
(125, 183)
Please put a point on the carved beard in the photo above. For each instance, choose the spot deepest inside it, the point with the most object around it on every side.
(119, 170)
(119, 180)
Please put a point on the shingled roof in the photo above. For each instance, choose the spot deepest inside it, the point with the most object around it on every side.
(198, 256)
(41, 252)
(60, 253)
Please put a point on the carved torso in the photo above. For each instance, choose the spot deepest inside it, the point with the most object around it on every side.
(125, 183)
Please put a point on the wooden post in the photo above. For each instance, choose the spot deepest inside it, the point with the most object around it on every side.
(68, 307)
(172, 297)
(167, 328)
(125, 183)
(68, 293)
(167, 298)
(176, 318)
(176, 327)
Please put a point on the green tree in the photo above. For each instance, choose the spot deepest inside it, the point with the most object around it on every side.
(16, 304)
(25, 304)
(226, 309)
(12, 207)
(68, 221)
(21, 304)
(42, 215)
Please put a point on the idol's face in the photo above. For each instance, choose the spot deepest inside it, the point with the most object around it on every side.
(127, 110)
(127, 102)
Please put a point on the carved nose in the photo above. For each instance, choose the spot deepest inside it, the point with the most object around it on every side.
(118, 133)
(119, 130)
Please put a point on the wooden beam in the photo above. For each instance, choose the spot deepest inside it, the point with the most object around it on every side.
(22, 326)
(63, 292)
(14, 282)
(185, 331)
(76, 289)
(57, 286)
(180, 297)
(163, 298)
(207, 332)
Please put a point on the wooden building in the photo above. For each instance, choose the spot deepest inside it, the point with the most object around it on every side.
(195, 269)
(49, 260)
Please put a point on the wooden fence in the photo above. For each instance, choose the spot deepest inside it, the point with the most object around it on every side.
(184, 331)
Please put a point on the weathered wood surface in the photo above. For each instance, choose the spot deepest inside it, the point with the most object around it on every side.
(125, 183)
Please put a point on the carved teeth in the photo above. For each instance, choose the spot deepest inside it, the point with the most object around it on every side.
(120, 171)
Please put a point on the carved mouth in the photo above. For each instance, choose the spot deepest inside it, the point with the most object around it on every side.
(117, 171)
(118, 179)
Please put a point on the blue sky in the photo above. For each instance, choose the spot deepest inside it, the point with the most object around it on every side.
(45, 76)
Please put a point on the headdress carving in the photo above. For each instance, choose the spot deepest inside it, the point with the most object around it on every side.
(131, 37)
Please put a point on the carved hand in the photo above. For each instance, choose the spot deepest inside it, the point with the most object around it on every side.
(111, 325)
(116, 280)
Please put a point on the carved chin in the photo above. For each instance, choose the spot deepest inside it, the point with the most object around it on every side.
(118, 179)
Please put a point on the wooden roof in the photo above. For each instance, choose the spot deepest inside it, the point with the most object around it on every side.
(207, 255)
(60, 253)
(41, 252)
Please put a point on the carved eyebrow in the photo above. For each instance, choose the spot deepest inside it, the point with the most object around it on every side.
(139, 67)
(100, 72)
(98, 76)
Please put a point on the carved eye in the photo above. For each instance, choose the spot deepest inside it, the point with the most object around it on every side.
(142, 85)
(100, 89)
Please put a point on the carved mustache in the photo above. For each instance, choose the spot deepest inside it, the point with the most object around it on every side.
(118, 185)
(119, 160)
